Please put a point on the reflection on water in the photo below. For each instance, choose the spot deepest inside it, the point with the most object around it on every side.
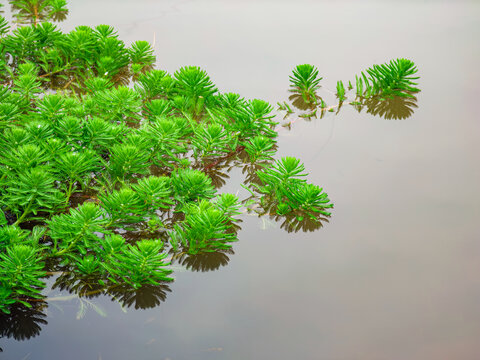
(294, 221)
(148, 296)
(23, 323)
(35, 11)
(388, 108)
(208, 261)
(299, 102)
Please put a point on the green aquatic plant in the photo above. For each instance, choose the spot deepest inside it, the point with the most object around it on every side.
(306, 82)
(75, 232)
(141, 56)
(166, 135)
(155, 84)
(260, 148)
(245, 119)
(283, 189)
(118, 104)
(11, 234)
(139, 265)
(25, 157)
(380, 88)
(229, 205)
(87, 265)
(395, 78)
(309, 198)
(126, 160)
(76, 167)
(157, 108)
(287, 170)
(110, 168)
(21, 270)
(123, 206)
(100, 135)
(211, 140)
(205, 229)
(155, 193)
(196, 88)
(30, 192)
(340, 91)
(190, 185)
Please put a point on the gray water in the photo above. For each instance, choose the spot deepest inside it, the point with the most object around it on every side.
(394, 275)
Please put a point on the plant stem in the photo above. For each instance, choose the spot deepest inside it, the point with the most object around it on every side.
(25, 213)
(58, 71)
(69, 192)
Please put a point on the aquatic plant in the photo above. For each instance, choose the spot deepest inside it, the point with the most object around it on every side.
(21, 269)
(382, 89)
(123, 206)
(110, 169)
(340, 91)
(283, 189)
(31, 191)
(126, 160)
(190, 185)
(154, 192)
(260, 148)
(139, 265)
(211, 140)
(194, 88)
(305, 81)
(76, 231)
(205, 228)
(390, 79)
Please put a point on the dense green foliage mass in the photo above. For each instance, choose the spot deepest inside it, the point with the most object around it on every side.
(109, 168)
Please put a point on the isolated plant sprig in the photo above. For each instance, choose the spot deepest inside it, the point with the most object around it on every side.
(387, 90)
(305, 80)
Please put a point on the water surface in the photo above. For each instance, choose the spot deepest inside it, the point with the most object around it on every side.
(394, 275)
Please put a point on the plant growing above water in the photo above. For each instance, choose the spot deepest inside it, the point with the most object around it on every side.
(391, 79)
(305, 81)
(387, 90)
(284, 190)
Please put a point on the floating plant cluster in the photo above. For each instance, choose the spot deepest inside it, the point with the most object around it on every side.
(386, 90)
(110, 169)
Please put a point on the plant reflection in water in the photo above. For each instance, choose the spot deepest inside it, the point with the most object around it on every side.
(23, 323)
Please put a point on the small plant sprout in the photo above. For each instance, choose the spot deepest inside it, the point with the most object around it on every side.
(340, 91)
(306, 82)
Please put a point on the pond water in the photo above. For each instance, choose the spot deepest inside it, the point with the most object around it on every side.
(394, 274)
